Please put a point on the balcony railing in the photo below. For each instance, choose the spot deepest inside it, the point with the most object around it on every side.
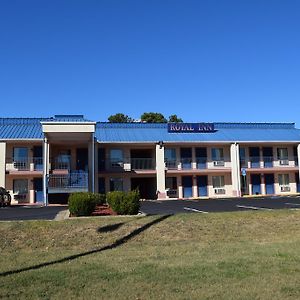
(254, 161)
(201, 162)
(114, 164)
(142, 163)
(24, 164)
(186, 163)
(268, 161)
(75, 181)
(171, 164)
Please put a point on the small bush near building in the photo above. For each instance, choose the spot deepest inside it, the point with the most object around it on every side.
(100, 199)
(124, 203)
(82, 204)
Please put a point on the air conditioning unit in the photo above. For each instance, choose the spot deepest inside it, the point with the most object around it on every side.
(285, 189)
(219, 163)
(284, 162)
(127, 167)
(219, 191)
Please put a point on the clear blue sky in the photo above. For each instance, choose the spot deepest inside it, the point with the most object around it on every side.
(207, 60)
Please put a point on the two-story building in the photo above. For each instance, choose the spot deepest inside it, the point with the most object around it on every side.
(45, 159)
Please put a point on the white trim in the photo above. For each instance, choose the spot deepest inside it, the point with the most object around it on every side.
(68, 123)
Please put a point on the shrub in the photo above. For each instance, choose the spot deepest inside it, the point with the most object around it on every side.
(100, 199)
(124, 203)
(82, 204)
(114, 200)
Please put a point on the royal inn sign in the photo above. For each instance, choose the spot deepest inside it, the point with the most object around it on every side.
(190, 127)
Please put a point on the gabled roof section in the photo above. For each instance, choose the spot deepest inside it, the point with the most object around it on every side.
(31, 128)
(224, 132)
(21, 128)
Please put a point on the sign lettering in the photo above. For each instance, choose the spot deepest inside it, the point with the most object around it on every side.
(190, 127)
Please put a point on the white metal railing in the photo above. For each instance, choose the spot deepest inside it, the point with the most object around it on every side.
(74, 180)
(24, 164)
(142, 163)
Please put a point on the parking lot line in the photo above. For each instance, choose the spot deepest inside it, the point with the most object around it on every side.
(296, 204)
(253, 207)
(195, 210)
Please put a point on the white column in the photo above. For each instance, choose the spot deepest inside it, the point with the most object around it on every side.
(160, 172)
(45, 170)
(298, 153)
(179, 186)
(93, 163)
(194, 163)
(91, 160)
(235, 169)
(96, 167)
(195, 187)
(2, 163)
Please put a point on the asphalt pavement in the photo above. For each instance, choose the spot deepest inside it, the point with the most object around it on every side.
(30, 212)
(220, 205)
(150, 207)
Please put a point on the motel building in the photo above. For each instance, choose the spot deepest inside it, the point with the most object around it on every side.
(43, 160)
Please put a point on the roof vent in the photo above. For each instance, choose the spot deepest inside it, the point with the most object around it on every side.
(69, 117)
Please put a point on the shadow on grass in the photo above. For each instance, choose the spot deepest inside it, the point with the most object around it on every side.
(109, 228)
(116, 244)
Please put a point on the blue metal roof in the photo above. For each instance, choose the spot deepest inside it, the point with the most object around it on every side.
(224, 132)
(21, 128)
(30, 128)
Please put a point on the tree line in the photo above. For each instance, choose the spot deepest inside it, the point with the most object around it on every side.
(146, 117)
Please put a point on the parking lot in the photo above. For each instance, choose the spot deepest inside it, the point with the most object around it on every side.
(220, 205)
(20, 213)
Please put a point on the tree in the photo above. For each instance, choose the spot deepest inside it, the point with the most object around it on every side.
(119, 118)
(175, 119)
(152, 117)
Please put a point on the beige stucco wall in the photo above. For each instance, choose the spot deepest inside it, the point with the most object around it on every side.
(31, 192)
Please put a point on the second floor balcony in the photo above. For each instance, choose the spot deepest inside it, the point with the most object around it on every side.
(268, 162)
(131, 164)
(75, 181)
(24, 164)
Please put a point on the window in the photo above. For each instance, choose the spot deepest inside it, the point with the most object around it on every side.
(20, 186)
(282, 153)
(218, 181)
(116, 157)
(243, 157)
(284, 179)
(116, 184)
(20, 154)
(21, 158)
(217, 154)
(170, 157)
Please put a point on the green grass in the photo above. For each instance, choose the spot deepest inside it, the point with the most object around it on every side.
(240, 255)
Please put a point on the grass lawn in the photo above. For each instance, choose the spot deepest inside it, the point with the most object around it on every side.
(238, 255)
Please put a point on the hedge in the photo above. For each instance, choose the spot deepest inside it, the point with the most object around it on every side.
(83, 204)
(124, 203)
